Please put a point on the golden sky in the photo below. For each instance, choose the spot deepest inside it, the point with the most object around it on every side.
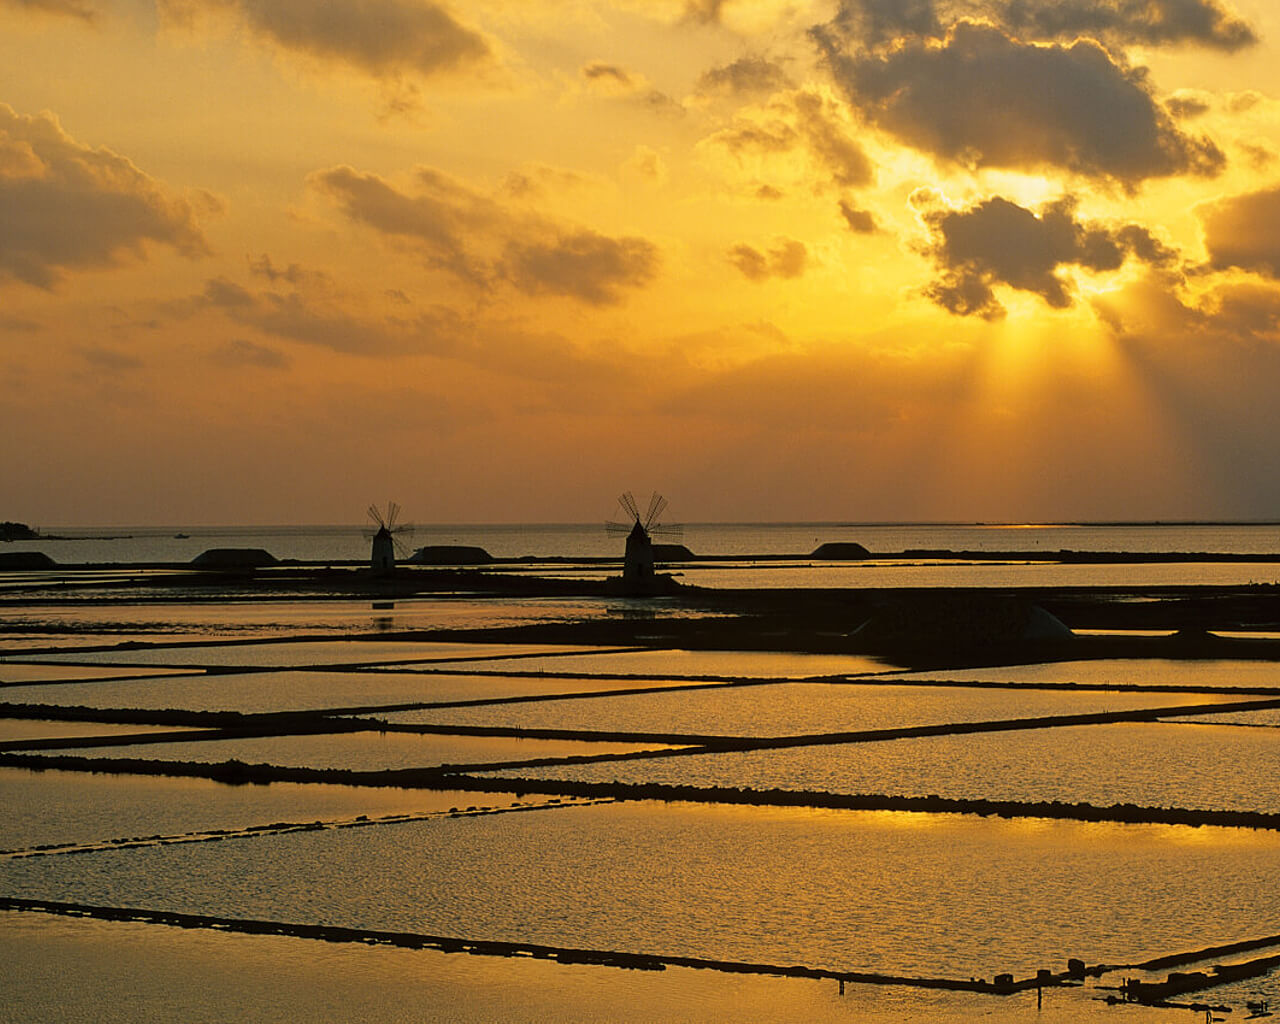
(267, 261)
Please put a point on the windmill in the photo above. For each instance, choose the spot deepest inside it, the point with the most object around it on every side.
(637, 564)
(387, 544)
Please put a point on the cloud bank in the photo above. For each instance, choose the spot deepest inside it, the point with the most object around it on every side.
(458, 229)
(67, 207)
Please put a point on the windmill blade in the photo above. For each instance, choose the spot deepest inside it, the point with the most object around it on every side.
(613, 526)
(393, 511)
(375, 514)
(657, 503)
(628, 503)
(667, 530)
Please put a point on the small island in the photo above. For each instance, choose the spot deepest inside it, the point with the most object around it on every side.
(17, 531)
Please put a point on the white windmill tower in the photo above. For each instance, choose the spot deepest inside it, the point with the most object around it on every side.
(637, 563)
(386, 538)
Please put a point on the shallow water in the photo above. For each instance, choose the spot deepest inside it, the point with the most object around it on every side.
(19, 674)
(1123, 672)
(12, 729)
(252, 692)
(302, 654)
(787, 709)
(1204, 767)
(43, 807)
(212, 977)
(361, 751)
(675, 664)
(917, 894)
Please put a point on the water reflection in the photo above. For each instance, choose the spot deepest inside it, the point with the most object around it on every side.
(966, 897)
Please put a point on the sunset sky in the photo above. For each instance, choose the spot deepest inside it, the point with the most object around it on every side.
(268, 261)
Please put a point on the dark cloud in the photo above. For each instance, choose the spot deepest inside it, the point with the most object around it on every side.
(821, 125)
(872, 23)
(472, 236)
(787, 259)
(1187, 104)
(64, 206)
(613, 80)
(583, 265)
(859, 221)
(875, 23)
(239, 352)
(1244, 231)
(751, 74)
(313, 315)
(998, 242)
(437, 219)
(982, 99)
(768, 193)
(65, 8)
(745, 136)
(382, 38)
(17, 323)
(109, 360)
(598, 70)
(704, 12)
(1149, 22)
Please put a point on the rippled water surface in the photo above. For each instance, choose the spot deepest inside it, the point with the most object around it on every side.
(215, 977)
(288, 691)
(11, 673)
(917, 894)
(785, 709)
(677, 663)
(1123, 672)
(13, 729)
(1149, 764)
(74, 807)
(358, 751)
(307, 653)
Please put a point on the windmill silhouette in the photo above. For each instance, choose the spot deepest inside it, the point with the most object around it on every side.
(387, 543)
(637, 564)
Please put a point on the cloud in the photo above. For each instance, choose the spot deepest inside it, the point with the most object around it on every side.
(998, 242)
(317, 314)
(1244, 231)
(614, 80)
(981, 99)
(108, 360)
(437, 219)
(874, 23)
(65, 207)
(458, 229)
(239, 352)
(1148, 22)
(704, 12)
(802, 117)
(610, 75)
(787, 259)
(583, 265)
(1188, 103)
(65, 8)
(750, 74)
(859, 221)
(384, 39)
